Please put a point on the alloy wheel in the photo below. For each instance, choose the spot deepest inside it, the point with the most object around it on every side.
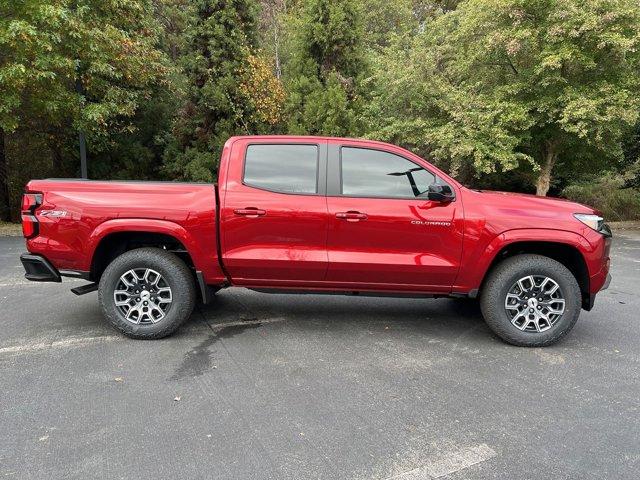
(534, 303)
(143, 296)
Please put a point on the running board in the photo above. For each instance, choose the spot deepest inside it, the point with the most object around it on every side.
(88, 288)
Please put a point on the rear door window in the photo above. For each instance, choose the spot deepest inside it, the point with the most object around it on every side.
(282, 168)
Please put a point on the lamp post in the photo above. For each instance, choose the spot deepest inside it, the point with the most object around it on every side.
(81, 137)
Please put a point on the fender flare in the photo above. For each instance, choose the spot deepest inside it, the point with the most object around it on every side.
(508, 237)
(145, 225)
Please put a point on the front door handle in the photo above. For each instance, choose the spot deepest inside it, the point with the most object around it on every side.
(351, 216)
(251, 212)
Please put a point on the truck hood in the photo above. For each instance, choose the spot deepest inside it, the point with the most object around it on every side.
(532, 202)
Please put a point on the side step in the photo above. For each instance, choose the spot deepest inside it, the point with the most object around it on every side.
(88, 288)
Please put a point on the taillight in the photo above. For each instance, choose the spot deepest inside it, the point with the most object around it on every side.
(30, 201)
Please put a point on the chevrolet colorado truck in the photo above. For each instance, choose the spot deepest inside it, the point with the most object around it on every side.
(317, 214)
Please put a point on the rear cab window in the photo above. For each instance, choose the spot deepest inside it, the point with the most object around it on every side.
(282, 168)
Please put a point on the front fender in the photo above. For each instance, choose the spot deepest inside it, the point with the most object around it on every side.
(476, 261)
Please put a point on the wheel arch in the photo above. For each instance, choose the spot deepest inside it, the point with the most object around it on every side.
(115, 237)
(565, 249)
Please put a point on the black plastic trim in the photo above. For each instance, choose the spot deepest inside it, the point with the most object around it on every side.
(355, 293)
(605, 230)
(84, 289)
(204, 289)
(223, 268)
(588, 299)
(38, 269)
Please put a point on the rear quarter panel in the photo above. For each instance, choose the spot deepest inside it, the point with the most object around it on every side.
(91, 210)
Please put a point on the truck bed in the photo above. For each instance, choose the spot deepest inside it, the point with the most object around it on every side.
(79, 214)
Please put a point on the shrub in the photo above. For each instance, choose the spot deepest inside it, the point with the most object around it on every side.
(609, 195)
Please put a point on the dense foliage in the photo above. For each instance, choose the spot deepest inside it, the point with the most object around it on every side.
(529, 95)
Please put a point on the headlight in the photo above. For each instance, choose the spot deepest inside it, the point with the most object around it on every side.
(592, 221)
(595, 222)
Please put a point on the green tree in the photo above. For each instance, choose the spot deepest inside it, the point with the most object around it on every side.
(509, 82)
(218, 48)
(325, 77)
(49, 48)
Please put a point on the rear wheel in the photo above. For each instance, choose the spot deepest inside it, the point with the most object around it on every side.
(147, 293)
(531, 300)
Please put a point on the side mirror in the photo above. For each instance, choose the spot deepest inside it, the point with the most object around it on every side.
(440, 193)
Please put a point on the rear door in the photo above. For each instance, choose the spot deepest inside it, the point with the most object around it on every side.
(383, 231)
(274, 217)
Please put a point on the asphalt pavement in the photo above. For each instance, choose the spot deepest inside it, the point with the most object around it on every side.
(259, 386)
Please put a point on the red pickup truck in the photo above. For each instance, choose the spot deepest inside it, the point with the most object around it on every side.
(317, 214)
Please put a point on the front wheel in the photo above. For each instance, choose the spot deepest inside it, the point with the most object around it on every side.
(530, 300)
(147, 293)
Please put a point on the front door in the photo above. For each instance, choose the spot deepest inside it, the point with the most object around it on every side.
(274, 217)
(383, 231)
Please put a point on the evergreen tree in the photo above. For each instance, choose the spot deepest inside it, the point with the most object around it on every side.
(219, 47)
(325, 76)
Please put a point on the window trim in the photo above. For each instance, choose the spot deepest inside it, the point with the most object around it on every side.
(437, 178)
(318, 146)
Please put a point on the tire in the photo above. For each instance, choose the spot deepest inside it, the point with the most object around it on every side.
(509, 324)
(173, 306)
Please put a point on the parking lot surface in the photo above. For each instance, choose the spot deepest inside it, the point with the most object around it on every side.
(259, 386)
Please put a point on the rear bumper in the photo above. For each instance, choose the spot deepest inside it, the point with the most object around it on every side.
(38, 269)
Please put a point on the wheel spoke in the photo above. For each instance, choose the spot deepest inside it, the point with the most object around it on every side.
(553, 289)
(529, 279)
(126, 281)
(156, 308)
(515, 319)
(129, 315)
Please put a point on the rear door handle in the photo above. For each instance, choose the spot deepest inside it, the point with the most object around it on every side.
(351, 216)
(251, 212)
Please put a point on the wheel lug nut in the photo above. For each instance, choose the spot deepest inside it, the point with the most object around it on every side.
(531, 310)
(146, 303)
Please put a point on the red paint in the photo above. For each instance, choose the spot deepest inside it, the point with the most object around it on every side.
(273, 239)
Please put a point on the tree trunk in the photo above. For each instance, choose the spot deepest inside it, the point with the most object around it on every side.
(550, 155)
(5, 208)
(57, 159)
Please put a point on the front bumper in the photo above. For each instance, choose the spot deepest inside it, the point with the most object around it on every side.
(38, 269)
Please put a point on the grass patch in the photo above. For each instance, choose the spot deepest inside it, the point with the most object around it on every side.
(10, 229)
